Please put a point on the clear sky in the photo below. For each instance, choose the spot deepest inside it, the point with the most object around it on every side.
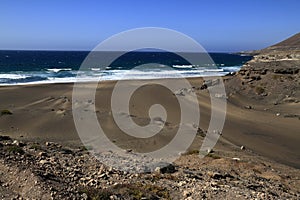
(80, 25)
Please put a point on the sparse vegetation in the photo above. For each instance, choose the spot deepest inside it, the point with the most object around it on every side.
(93, 193)
(128, 191)
(6, 112)
(214, 156)
(276, 76)
(195, 151)
(88, 148)
(264, 84)
(35, 147)
(83, 148)
(15, 149)
(189, 152)
(259, 90)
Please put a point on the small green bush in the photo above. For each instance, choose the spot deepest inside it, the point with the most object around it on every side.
(259, 90)
(35, 147)
(190, 152)
(93, 193)
(15, 149)
(128, 191)
(214, 156)
(6, 112)
(276, 76)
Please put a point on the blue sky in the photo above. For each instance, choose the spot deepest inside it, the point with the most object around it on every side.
(80, 25)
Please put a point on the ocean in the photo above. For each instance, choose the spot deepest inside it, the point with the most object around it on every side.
(30, 67)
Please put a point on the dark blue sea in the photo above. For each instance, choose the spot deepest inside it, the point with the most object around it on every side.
(28, 67)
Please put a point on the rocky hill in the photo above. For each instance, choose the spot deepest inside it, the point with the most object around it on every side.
(290, 44)
(287, 50)
(272, 76)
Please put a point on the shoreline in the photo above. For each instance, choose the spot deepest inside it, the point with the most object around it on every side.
(116, 80)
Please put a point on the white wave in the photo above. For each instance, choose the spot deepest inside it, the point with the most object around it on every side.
(183, 66)
(95, 69)
(12, 76)
(134, 74)
(232, 68)
(213, 70)
(139, 74)
(58, 69)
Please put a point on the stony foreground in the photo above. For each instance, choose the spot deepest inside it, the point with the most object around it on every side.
(50, 171)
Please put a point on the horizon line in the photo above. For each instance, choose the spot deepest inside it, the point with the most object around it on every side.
(84, 50)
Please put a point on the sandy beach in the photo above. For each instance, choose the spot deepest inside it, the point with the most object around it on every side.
(44, 113)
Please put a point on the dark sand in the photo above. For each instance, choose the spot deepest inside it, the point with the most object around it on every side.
(44, 113)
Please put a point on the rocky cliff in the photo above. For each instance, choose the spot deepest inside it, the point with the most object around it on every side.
(272, 76)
